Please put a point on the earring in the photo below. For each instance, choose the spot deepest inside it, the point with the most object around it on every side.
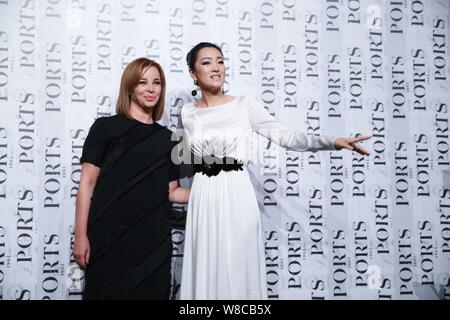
(194, 92)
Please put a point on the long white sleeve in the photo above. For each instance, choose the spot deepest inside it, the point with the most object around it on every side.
(265, 124)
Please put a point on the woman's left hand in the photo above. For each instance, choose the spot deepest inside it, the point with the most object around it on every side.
(352, 144)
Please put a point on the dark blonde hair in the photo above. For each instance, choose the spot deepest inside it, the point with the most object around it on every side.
(130, 79)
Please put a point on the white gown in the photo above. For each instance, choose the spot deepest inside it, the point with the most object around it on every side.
(224, 250)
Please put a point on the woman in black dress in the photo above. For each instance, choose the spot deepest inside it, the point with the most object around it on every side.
(123, 233)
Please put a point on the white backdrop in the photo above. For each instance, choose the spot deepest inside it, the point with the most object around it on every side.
(337, 225)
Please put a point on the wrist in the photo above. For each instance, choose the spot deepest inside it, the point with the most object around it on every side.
(80, 233)
(336, 146)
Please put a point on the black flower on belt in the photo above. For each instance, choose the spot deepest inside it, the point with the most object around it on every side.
(212, 165)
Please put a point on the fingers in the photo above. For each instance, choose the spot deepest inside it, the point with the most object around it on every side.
(80, 259)
(361, 150)
(360, 138)
(83, 261)
(88, 254)
(77, 259)
(355, 147)
(349, 146)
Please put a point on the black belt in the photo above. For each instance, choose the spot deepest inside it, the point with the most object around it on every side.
(212, 165)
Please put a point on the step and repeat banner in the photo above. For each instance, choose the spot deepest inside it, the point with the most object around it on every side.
(336, 225)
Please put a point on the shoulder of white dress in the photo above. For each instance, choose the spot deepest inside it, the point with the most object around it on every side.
(246, 101)
(186, 107)
(241, 99)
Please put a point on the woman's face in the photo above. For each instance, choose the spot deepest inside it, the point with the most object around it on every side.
(147, 92)
(209, 69)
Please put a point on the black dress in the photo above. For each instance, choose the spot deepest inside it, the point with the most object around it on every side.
(128, 227)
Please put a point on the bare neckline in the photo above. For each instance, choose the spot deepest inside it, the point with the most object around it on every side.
(216, 106)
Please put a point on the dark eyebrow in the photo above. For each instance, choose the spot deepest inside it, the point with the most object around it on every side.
(209, 58)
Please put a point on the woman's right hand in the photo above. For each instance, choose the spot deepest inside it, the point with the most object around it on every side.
(82, 250)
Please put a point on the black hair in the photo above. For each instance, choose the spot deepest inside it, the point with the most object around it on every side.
(193, 53)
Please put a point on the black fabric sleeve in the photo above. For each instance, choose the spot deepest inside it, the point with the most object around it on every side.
(95, 144)
(174, 171)
(174, 168)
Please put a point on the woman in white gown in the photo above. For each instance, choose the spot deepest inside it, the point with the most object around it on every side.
(224, 251)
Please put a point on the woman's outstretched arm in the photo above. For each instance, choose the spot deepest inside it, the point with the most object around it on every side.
(265, 124)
